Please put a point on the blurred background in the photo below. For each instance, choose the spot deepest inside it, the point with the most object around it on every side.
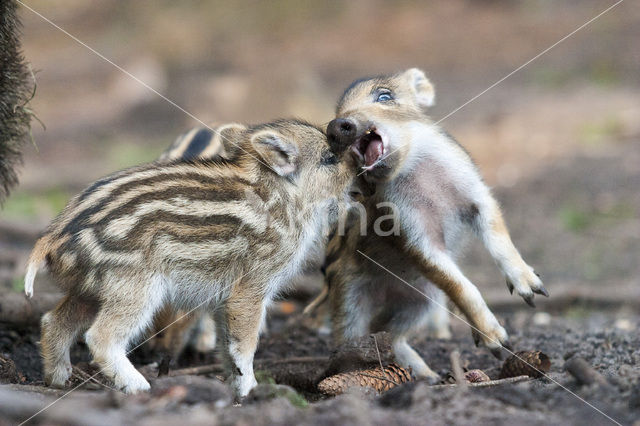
(558, 140)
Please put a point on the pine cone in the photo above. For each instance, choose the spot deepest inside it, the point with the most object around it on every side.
(9, 373)
(393, 376)
(526, 363)
(476, 376)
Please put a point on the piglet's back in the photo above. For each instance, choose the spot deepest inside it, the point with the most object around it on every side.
(154, 215)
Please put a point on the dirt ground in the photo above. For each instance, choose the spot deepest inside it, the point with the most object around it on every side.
(603, 331)
(559, 142)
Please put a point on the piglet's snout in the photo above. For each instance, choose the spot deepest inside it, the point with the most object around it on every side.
(341, 133)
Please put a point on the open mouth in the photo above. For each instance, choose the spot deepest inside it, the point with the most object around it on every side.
(369, 148)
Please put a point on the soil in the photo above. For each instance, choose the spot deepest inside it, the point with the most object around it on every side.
(606, 337)
(558, 399)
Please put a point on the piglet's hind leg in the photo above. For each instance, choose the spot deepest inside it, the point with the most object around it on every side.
(59, 330)
(120, 320)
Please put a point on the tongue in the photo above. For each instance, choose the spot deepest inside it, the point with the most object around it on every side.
(373, 152)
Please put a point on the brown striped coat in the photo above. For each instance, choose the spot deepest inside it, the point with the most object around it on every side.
(214, 233)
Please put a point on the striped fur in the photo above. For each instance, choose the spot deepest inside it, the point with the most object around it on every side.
(178, 330)
(213, 233)
(206, 142)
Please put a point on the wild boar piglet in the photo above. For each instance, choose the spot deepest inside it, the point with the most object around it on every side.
(188, 234)
(427, 196)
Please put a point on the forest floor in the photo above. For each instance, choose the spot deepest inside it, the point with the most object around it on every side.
(595, 317)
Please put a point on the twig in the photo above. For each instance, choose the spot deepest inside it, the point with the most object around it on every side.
(293, 360)
(567, 294)
(201, 369)
(213, 368)
(19, 231)
(456, 368)
(92, 382)
(15, 308)
(486, 384)
(39, 389)
(583, 372)
(380, 360)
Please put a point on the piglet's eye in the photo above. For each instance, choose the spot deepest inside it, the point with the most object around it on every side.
(384, 97)
(328, 158)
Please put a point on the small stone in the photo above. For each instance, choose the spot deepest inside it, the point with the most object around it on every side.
(624, 324)
(541, 318)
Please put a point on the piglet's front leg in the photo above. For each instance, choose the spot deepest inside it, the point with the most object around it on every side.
(440, 269)
(495, 237)
(239, 328)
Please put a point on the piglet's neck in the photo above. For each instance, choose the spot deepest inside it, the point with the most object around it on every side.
(431, 155)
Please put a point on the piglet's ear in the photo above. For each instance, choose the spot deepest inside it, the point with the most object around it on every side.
(228, 139)
(425, 93)
(276, 152)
